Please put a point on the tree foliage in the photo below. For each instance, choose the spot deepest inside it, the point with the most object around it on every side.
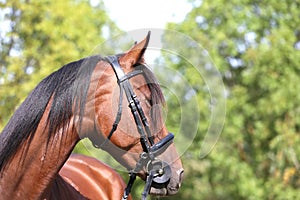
(38, 37)
(256, 46)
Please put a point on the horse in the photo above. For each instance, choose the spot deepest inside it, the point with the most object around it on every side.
(92, 178)
(79, 101)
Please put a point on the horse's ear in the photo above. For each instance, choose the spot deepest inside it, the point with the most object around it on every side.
(135, 54)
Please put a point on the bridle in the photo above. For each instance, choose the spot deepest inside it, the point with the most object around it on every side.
(158, 171)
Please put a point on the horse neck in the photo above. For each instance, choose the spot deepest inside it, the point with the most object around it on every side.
(29, 172)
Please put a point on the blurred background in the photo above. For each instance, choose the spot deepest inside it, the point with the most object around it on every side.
(254, 44)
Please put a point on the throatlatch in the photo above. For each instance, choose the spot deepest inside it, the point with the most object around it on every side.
(158, 172)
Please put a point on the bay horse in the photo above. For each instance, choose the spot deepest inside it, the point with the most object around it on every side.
(80, 101)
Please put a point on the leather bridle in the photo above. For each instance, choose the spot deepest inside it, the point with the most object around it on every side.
(158, 172)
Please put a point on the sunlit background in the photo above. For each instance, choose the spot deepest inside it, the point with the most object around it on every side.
(254, 46)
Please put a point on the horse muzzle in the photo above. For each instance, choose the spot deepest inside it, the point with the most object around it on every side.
(167, 184)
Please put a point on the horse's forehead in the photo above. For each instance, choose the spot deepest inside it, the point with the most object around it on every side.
(139, 82)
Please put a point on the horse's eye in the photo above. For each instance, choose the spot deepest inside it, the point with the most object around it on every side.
(148, 102)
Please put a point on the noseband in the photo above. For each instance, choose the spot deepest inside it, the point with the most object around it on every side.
(158, 172)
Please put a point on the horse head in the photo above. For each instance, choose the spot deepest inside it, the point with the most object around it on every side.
(134, 135)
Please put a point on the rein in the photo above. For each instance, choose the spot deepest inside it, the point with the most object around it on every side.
(158, 172)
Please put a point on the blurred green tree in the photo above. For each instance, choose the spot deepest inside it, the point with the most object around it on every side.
(256, 47)
(38, 37)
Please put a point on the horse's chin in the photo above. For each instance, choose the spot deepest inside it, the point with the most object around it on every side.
(163, 191)
(158, 192)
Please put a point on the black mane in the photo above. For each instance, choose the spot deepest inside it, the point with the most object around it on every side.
(66, 87)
